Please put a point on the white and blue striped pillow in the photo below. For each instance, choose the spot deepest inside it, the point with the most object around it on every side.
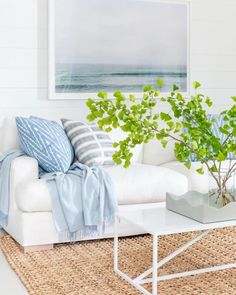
(93, 147)
(47, 142)
(219, 122)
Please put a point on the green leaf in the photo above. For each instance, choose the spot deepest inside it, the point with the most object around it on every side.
(89, 102)
(179, 97)
(178, 126)
(147, 88)
(194, 144)
(125, 127)
(175, 87)
(117, 161)
(156, 116)
(225, 117)
(160, 136)
(127, 164)
(160, 83)
(200, 170)
(91, 117)
(233, 98)
(164, 143)
(165, 116)
(132, 98)
(196, 84)
(98, 114)
(171, 124)
(102, 94)
(108, 129)
(213, 168)
(188, 165)
(121, 115)
(226, 127)
(118, 94)
(202, 152)
(209, 102)
(223, 130)
(220, 157)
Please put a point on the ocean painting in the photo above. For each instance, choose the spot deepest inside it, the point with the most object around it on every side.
(105, 45)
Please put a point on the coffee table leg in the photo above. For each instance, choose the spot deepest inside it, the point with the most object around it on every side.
(116, 262)
(154, 264)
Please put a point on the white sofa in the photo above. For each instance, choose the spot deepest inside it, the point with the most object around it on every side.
(153, 172)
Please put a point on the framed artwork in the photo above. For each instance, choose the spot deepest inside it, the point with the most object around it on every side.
(105, 45)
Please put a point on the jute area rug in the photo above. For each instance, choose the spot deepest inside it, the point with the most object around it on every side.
(86, 268)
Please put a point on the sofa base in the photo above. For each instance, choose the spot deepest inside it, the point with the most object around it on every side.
(36, 230)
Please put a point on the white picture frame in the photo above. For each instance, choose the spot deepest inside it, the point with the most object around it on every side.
(54, 95)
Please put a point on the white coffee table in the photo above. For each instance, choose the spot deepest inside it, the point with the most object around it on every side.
(157, 222)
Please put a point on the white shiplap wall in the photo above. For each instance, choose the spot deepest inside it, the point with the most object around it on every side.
(213, 48)
(23, 56)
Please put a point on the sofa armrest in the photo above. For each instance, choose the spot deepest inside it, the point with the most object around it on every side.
(22, 169)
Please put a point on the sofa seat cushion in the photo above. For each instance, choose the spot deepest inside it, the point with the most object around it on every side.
(196, 181)
(135, 185)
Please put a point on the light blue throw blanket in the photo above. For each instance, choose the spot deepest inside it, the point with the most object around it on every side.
(83, 199)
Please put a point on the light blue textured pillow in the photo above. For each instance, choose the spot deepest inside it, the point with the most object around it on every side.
(219, 122)
(47, 142)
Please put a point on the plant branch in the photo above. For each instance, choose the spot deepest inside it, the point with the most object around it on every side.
(193, 151)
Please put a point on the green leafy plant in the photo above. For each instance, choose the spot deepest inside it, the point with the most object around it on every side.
(186, 123)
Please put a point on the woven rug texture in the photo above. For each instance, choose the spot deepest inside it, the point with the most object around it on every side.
(86, 268)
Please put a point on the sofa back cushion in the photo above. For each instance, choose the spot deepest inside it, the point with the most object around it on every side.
(155, 154)
(9, 135)
(11, 139)
(47, 142)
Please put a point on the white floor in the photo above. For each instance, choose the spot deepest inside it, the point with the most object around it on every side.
(9, 282)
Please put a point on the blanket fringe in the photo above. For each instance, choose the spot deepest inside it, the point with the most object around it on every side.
(87, 231)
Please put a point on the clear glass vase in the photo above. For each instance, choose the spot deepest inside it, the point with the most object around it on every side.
(222, 191)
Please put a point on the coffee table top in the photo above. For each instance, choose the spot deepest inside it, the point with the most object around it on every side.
(160, 221)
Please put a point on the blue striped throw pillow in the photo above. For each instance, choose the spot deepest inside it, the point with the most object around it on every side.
(93, 147)
(47, 142)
